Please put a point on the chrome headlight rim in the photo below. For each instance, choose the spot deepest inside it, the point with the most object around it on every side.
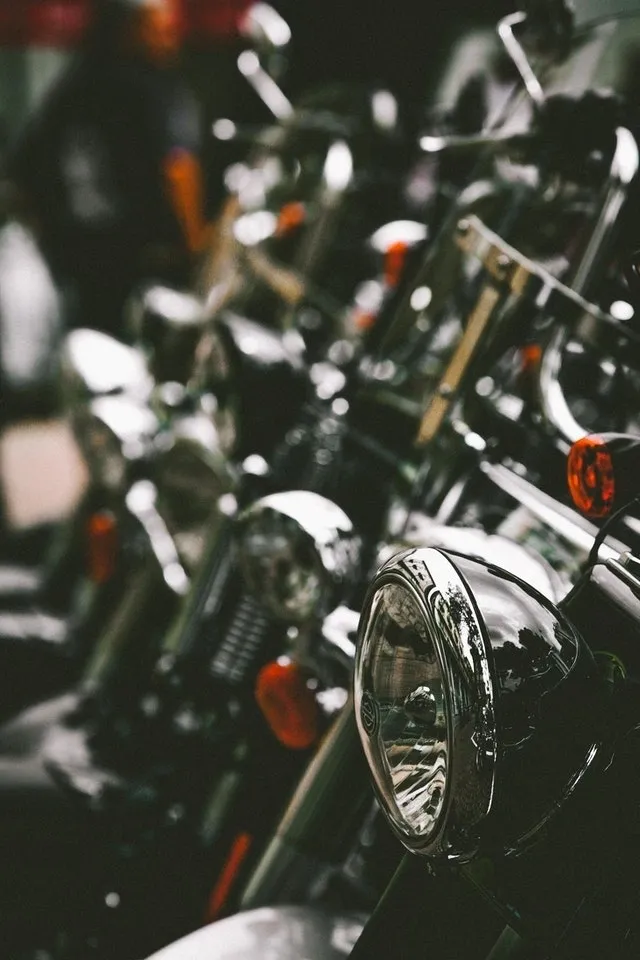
(128, 428)
(465, 662)
(331, 541)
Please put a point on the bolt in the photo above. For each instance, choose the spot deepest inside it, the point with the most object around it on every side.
(503, 263)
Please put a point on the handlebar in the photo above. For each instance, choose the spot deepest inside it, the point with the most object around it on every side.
(622, 173)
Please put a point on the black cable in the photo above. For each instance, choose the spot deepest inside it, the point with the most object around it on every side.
(606, 528)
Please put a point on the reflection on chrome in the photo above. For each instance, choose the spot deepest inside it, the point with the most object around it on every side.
(298, 550)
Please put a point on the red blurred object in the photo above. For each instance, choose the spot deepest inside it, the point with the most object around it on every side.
(62, 23)
(364, 319)
(530, 357)
(291, 216)
(102, 546)
(288, 705)
(208, 20)
(56, 22)
(394, 260)
(220, 893)
(591, 477)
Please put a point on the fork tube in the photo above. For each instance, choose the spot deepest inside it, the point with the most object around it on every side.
(319, 823)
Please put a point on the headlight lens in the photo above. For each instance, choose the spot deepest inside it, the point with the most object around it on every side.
(477, 703)
(405, 710)
(297, 551)
(191, 475)
(112, 431)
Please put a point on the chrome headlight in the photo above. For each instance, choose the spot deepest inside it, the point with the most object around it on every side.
(298, 550)
(191, 474)
(477, 703)
(112, 431)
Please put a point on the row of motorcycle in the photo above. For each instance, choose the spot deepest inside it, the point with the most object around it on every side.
(339, 655)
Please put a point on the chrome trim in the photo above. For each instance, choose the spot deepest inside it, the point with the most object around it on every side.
(568, 523)
(422, 530)
(264, 85)
(337, 629)
(141, 503)
(519, 57)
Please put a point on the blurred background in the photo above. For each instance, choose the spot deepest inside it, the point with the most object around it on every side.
(398, 46)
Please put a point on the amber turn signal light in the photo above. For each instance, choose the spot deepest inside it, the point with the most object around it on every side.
(102, 546)
(603, 470)
(287, 704)
(394, 260)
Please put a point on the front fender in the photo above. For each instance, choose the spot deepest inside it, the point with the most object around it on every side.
(271, 933)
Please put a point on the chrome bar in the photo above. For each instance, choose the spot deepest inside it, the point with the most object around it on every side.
(519, 57)
(141, 502)
(622, 173)
(572, 526)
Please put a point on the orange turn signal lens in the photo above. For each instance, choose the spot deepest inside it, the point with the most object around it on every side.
(530, 356)
(394, 261)
(102, 546)
(287, 703)
(291, 216)
(591, 478)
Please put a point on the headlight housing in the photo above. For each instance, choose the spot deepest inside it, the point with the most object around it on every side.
(111, 432)
(298, 552)
(191, 474)
(477, 703)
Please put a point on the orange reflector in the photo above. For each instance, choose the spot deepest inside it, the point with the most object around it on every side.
(288, 705)
(394, 260)
(220, 893)
(364, 319)
(590, 476)
(102, 546)
(291, 217)
(530, 357)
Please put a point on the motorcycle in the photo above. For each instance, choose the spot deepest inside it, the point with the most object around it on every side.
(452, 590)
(179, 710)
